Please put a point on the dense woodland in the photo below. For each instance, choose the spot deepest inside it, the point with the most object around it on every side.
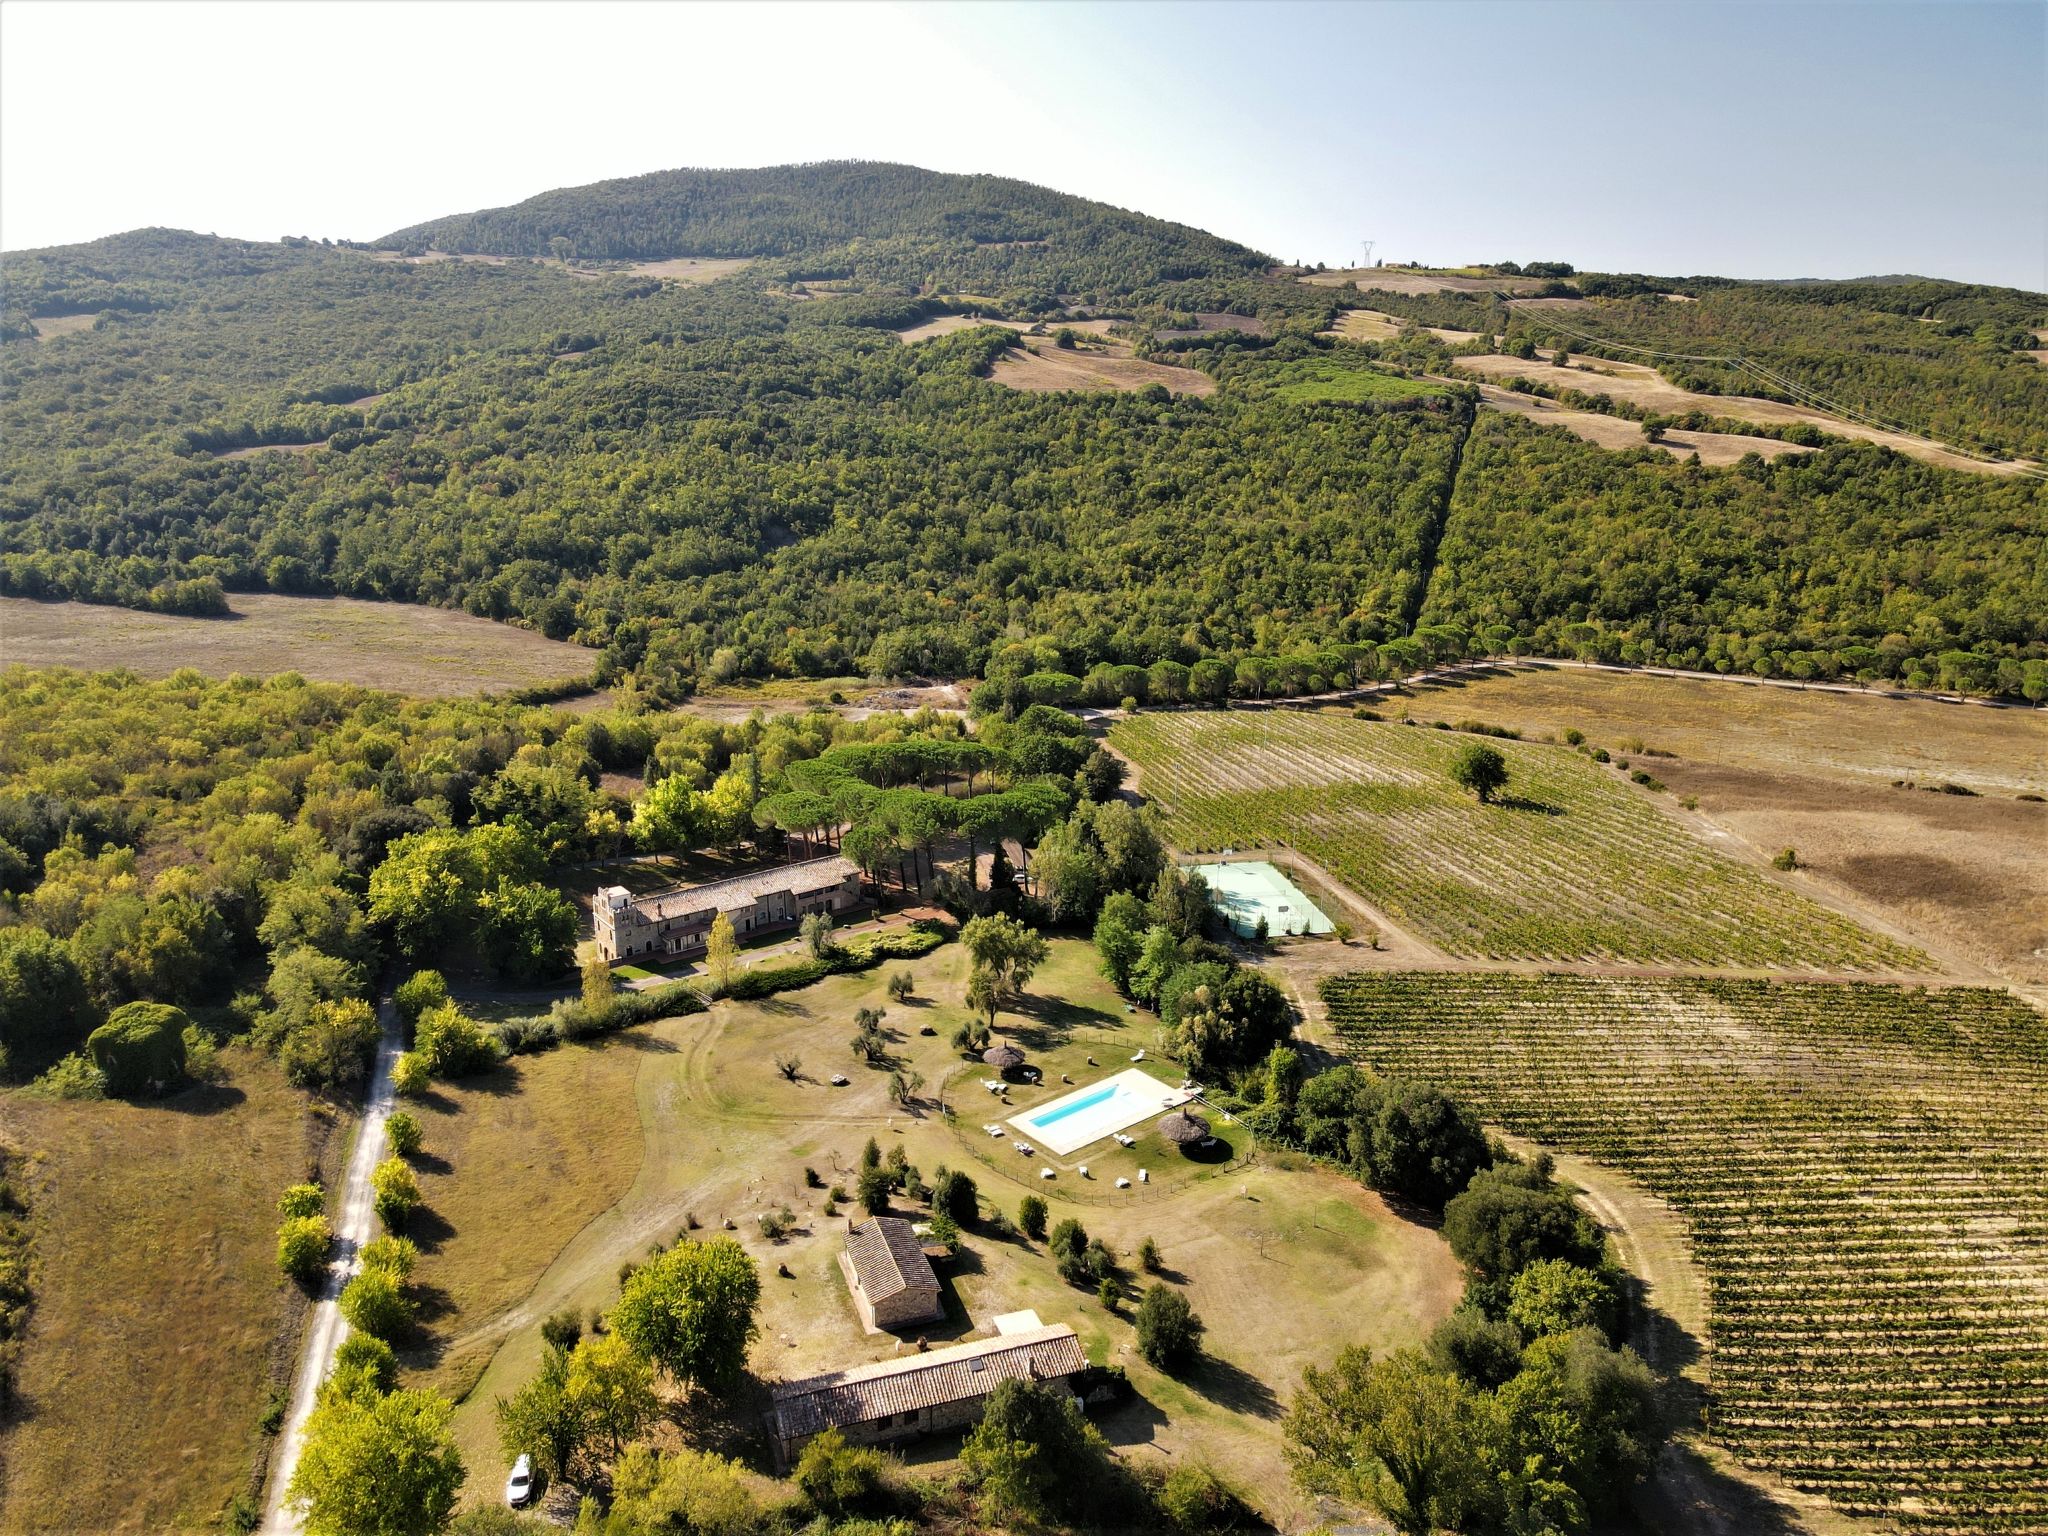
(754, 477)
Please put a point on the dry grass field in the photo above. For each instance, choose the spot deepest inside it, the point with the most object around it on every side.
(264, 448)
(403, 647)
(690, 270)
(1282, 1263)
(50, 327)
(1371, 325)
(1814, 771)
(1417, 280)
(158, 1307)
(1618, 432)
(1036, 364)
(1647, 388)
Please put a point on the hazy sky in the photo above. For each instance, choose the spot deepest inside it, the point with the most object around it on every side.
(1821, 139)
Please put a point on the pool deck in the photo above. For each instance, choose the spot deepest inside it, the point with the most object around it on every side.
(1135, 1095)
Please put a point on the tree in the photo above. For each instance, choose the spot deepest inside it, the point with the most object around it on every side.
(954, 1195)
(1412, 1443)
(378, 1466)
(528, 931)
(141, 1048)
(375, 1302)
(1120, 937)
(872, 1190)
(333, 1048)
(403, 1128)
(611, 1388)
(816, 930)
(396, 1256)
(1555, 1296)
(369, 1356)
(691, 1311)
(1509, 1218)
(901, 986)
(454, 1045)
(1004, 953)
(43, 1002)
(1031, 1213)
(1481, 769)
(419, 994)
(396, 1191)
(302, 1244)
(839, 1479)
(1169, 1332)
(721, 952)
(600, 991)
(302, 1200)
(409, 1075)
(1033, 1457)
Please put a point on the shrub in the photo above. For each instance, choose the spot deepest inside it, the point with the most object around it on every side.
(1195, 1501)
(1169, 1332)
(140, 1047)
(74, 1077)
(302, 1244)
(302, 1200)
(1788, 859)
(561, 1330)
(1031, 1217)
(395, 1255)
(1148, 1256)
(375, 1303)
(454, 1045)
(371, 1357)
(397, 1192)
(837, 1478)
(409, 1075)
(404, 1130)
(420, 993)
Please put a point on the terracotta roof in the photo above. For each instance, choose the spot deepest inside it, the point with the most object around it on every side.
(888, 1259)
(916, 1382)
(738, 891)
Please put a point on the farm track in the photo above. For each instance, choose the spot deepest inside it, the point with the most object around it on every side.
(1863, 1173)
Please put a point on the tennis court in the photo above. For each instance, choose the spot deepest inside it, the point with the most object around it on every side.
(1245, 892)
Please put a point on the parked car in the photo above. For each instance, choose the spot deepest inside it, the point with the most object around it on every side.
(519, 1486)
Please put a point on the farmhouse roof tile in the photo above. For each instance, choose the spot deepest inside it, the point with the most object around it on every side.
(737, 891)
(888, 1259)
(916, 1382)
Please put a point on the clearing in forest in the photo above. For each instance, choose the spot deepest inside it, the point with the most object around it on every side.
(1618, 432)
(1371, 325)
(1572, 864)
(1865, 1173)
(1645, 387)
(431, 652)
(1037, 364)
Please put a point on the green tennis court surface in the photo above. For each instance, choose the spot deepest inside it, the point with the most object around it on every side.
(1246, 892)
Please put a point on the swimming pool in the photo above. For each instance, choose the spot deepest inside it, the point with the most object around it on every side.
(1090, 1113)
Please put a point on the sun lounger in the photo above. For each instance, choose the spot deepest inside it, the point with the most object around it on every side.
(1144, 1176)
(1123, 1183)
(1046, 1173)
(1084, 1170)
(1141, 1054)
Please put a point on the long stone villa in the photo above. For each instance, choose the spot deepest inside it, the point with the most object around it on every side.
(678, 922)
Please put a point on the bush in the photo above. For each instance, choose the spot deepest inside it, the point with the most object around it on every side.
(371, 1357)
(396, 1256)
(302, 1200)
(140, 1047)
(1195, 1501)
(404, 1130)
(839, 1479)
(419, 994)
(1169, 1332)
(397, 1191)
(561, 1330)
(1031, 1213)
(409, 1075)
(454, 1045)
(74, 1077)
(375, 1303)
(1786, 860)
(302, 1245)
(1148, 1256)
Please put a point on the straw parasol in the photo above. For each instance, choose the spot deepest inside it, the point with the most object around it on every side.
(1004, 1058)
(1184, 1128)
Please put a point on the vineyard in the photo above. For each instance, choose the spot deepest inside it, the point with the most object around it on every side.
(1864, 1170)
(1572, 865)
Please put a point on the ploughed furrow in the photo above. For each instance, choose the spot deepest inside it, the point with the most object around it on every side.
(1864, 1172)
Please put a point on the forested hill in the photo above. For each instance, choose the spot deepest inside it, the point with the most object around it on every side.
(769, 473)
(849, 218)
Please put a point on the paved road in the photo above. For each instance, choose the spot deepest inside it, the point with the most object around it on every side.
(354, 1225)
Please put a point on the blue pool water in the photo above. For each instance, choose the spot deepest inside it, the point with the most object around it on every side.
(1086, 1101)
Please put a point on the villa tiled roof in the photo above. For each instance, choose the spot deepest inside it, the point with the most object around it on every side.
(739, 891)
(888, 1259)
(916, 1382)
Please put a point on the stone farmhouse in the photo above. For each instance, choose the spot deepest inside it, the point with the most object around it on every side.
(920, 1394)
(890, 1277)
(678, 922)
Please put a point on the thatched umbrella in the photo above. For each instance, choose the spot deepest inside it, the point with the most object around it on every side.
(1184, 1128)
(1004, 1058)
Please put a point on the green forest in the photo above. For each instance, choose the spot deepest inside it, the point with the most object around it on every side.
(756, 477)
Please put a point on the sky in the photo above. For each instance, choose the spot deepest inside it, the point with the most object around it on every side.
(1826, 139)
